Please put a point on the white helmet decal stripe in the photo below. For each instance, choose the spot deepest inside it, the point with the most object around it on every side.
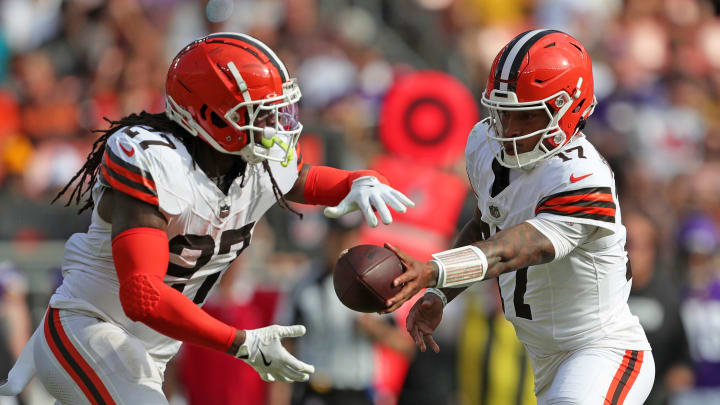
(509, 61)
(260, 45)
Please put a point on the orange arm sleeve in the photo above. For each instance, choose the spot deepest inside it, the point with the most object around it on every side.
(328, 186)
(141, 259)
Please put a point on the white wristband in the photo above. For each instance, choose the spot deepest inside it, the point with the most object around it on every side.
(460, 267)
(439, 293)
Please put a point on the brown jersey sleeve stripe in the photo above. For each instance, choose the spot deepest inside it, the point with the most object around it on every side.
(574, 209)
(73, 363)
(575, 198)
(142, 186)
(624, 378)
(582, 191)
(580, 214)
(604, 207)
(126, 169)
(588, 197)
(121, 172)
(128, 187)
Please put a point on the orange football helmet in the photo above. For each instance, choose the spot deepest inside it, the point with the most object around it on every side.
(544, 70)
(219, 85)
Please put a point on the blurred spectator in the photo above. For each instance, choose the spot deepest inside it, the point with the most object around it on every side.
(655, 300)
(15, 322)
(494, 368)
(699, 240)
(339, 341)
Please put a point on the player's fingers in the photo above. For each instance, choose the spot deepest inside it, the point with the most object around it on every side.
(404, 278)
(291, 331)
(393, 202)
(403, 198)
(292, 361)
(399, 299)
(267, 377)
(399, 253)
(392, 308)
(381, 208)
(429, 341)
(294, 375)
(367, 212)
(339, 210)
(419, 341)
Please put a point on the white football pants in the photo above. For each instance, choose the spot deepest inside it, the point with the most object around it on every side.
(84, 360)
(601, 376)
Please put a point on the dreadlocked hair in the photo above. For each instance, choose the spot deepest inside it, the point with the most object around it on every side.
(160, 122)
(89, 172)
(279, 197)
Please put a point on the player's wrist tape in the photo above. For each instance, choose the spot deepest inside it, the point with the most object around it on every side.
(439, 293)
(460, 267)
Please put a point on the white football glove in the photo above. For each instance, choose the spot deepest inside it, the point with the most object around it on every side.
(367, 192)
(263, 352)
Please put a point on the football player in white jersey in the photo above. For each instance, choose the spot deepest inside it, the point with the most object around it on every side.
(547, 227)
(175, 197)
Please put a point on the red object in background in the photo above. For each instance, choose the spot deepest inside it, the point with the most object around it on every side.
(438, 195)
(425, 229)
(213, 378)
(426, 116)
(10, 113)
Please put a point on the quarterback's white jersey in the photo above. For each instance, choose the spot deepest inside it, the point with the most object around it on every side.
(207, 229)
(579, 300)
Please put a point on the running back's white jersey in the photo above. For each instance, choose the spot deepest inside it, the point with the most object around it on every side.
(579, 300)
(207, 229)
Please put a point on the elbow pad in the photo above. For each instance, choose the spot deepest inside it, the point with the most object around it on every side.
(141, 257)
(139, 297)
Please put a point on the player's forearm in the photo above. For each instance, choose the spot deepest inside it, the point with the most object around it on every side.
(176, 316)
(141, 257)
(324, 185)
(514, 248)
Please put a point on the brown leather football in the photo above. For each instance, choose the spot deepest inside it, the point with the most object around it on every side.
(363, 277)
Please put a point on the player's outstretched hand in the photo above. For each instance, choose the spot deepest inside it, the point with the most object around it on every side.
(263, 352)
(367, 193)
(417, 275)
(423, 319)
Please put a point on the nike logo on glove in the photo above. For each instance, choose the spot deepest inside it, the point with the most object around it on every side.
(265, 362)
(130, 152)
(574, 179)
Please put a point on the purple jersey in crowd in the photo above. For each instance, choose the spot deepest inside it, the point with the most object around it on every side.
(701, 316)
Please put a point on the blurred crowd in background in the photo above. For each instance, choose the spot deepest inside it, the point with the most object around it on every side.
(67, 66)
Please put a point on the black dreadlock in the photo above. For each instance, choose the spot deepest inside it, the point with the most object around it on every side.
(279, 197)
(160, 122)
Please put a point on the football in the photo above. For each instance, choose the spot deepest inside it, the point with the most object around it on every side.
(363, 277)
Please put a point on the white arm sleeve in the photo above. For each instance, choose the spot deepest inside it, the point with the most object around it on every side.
(564, 236)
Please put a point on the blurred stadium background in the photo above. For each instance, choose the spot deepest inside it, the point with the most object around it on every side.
(371, 98)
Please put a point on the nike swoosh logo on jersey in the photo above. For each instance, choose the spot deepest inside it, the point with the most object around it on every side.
(130, 152)
(267, 363)
(574, 179)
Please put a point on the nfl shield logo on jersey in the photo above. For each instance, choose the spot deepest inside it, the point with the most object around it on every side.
(224, 210)
(495, 211)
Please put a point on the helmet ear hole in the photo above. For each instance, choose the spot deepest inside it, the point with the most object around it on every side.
(217, 121)
(202, 111)
(580, 104)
